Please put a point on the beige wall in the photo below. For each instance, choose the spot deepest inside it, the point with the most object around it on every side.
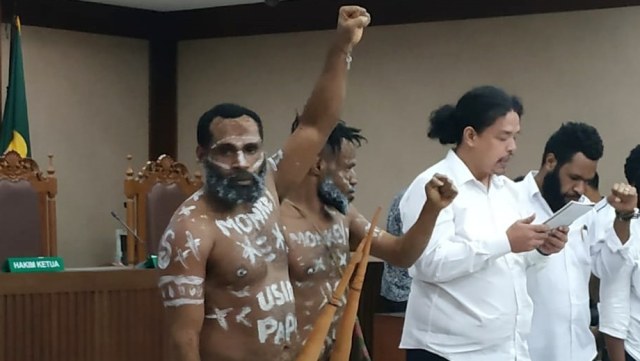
(87, 100)
(568, 66)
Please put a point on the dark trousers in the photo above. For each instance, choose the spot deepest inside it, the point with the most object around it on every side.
(423, 355)
(389, 306)
(629, 358)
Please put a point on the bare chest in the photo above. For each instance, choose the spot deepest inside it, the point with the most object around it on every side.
(250, 245)
(315, 252)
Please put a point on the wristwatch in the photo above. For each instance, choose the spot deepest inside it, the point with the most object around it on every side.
(626, 217)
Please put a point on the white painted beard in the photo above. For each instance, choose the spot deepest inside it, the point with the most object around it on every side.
(331, 196)
(226, 188)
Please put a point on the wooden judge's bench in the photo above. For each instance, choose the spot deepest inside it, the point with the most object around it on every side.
(93, 314)
(103, 314)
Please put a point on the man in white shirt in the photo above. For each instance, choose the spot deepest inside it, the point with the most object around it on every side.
(468, 297)
(560, 291)
(619, 273)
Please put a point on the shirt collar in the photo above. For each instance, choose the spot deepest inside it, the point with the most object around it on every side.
(530, 183)
(532, 187)
(461, 174)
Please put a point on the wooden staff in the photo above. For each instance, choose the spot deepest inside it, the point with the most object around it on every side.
(342, 347)
(313, 346)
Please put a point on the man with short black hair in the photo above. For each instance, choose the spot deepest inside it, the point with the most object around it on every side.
(560, 291)
(224, 271)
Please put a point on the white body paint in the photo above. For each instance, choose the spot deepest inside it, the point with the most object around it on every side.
(241, 317)
(376, 231)
(164, 249)
(275, 159)
(242, 161)
(342, 256)
(318, 265)
(220, 316)
(186, 210)
(237, 141)
(281, 331)
(196, 196)
(337, 234)
(220, 164)
(280, 241)
(257, 164)
(265, 249)
(247, 223)
(249, 251)
(181, 290)
(242, 293)
(276, 294)
(305, 284)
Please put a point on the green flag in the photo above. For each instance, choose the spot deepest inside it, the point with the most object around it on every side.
(14, 131)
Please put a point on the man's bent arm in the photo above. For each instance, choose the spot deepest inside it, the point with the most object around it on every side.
(399, 251)
(182, 258)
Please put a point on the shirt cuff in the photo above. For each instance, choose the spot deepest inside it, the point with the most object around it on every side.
(615, 244)
(500, 246)
(611, 332)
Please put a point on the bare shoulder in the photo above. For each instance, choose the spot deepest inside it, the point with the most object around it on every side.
(288, 211)
(359, 227)
(190, 235)
(355, 218)
(183, 253)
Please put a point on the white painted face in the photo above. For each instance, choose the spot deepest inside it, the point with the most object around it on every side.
(242, 152)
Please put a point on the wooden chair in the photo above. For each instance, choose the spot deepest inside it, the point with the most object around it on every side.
(27, 208)
(152, 198)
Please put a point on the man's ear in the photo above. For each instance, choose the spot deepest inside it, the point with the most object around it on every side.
(469, 136)
(201, 153)
(318, 167)
(550, 162)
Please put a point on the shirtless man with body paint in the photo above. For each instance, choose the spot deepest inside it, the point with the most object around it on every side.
(224, 273)
(321, 227)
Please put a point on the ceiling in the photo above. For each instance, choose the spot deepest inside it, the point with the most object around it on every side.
(173, 5)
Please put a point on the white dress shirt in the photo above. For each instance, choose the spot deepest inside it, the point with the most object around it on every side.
(468, 297)
(619, 305)
(560, 291)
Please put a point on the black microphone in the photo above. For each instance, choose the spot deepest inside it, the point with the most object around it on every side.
(114, 215)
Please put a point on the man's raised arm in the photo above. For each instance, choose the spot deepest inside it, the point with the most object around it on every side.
(323, 108)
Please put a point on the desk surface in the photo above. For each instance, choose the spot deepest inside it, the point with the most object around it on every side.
(78, 281)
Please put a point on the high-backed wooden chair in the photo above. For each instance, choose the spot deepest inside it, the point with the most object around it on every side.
(27, 208)
(153, 195)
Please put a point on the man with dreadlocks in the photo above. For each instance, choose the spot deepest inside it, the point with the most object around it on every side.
(320, 227)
